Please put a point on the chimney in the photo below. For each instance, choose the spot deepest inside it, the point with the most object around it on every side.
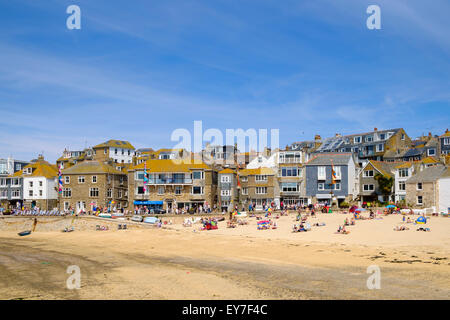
(375, 129)
(429, 134)
(318, 137)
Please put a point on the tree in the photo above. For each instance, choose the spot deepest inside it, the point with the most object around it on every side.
(385, 183)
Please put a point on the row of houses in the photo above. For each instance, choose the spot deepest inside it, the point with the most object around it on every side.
(379, 166)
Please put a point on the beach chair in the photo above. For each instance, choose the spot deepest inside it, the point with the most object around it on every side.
(120, 227)
(124, 227)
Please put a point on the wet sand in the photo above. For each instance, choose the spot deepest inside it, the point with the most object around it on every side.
(241, 263)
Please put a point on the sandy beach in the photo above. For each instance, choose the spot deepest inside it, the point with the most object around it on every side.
(177, 262)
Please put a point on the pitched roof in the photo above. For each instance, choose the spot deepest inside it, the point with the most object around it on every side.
(115, 144)
(324, 159)
(384, 167)
(228, 170)
(91, 166)
(40, 168)
(257, 171)
(171, 165)
(446, 134)
(428, 174)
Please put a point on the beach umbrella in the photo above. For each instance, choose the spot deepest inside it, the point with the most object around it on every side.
(390, 206)
(360, 210)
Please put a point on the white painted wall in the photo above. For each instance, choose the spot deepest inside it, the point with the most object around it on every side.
(48, 188)
(265, 162)
(119, 156)
(444, 194)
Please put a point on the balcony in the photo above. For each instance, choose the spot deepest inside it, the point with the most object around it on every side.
(170, 181)
(290, 160)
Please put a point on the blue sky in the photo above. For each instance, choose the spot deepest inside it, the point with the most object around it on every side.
(137, 70)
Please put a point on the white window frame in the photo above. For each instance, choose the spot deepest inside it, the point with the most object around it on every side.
(225, 179)
(93, 191)
(421, 186)
(368, 187)
(322, 173)
(81, 179)
(225, 193)
(261, 190)
(366, 174)
(421, 200)
(94, 179)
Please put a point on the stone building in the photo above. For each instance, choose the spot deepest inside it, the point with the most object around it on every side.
(172, 184)
(93, 183)
(423, 189)
(258, 186)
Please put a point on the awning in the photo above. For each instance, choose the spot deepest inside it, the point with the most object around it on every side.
(137, 202)
(323, 196)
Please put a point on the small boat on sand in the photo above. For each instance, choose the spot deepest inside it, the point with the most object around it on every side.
(24, 233)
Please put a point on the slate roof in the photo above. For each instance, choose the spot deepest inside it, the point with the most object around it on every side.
(91, 167)
(325, 159)
(428, 174)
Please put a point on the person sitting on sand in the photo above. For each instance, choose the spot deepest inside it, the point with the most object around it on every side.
(408, 220)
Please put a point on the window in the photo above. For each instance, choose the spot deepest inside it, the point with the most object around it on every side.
(225, 179)
(4, 194)
(119, 193)
(66, 206)
(289, 172)
(15, 194)
(321, 186)
(244, 179)
(3, 182)
(67, 192)
(261, 178)
(115, 151)
(80, 179)
(94, 179)
(40, 183)
(30, 193)
(261, 190)
(140, 190)
(419, 186)
(337, 170)
(178, 190)
(403, 173)
(419, 200)
(15, 182)
(368, 173)
(105, 151)
(198, 175)
(161, 190)
(431, 152)
(109, 193)
(66, 179)
(368, 187)
(123, 152)
(337, 186)
(289, 187)
(245, 191)
(321, 173)
(402, 186)
(93, 192)
(357, 139)
(369, 138)
(446, 141)
(197, 190)
(382, 136)
(121, 180)
(31, 184)
(380, 147)
(403, 136)
(225, 192)
(18, 167)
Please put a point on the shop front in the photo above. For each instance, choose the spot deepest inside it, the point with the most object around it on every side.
(147, 206)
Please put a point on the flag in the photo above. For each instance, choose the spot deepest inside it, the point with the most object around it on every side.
(60, 183)
(333, 174)
(145, 175)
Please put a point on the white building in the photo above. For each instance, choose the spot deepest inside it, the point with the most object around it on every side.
(117, 150)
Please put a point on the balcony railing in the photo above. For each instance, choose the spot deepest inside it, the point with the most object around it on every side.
(169, 181)
(290, 160)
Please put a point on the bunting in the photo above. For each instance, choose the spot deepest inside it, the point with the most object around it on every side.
(145, 176)
(60, 183)
(333, 174)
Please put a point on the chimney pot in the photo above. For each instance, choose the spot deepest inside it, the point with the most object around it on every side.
(375, 129)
